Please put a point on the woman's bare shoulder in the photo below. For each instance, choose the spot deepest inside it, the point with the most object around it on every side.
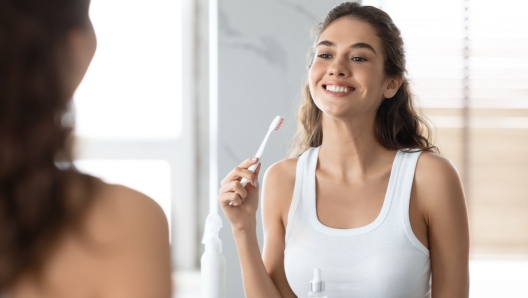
(119, 210)
(278, 187)
(284, 169)
(281, 175)
(121, 249)
(133, 230)
(437, 183)
(435, 170)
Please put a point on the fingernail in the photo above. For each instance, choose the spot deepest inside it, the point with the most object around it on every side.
(254, 159)
(256, 183)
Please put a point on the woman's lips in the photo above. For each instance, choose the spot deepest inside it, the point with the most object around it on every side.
(338, 89)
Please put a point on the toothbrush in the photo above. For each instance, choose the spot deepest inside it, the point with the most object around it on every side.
(275, 126)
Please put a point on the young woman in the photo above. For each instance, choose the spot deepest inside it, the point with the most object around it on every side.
(63, 234)
(367, 201)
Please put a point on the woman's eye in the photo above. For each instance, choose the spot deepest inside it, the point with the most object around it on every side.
(324, 56)
(358, 59)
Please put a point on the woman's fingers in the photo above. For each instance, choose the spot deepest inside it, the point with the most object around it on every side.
(248, 162)
(229, 199)
(242, 172)
(236, 187)
(232, 192)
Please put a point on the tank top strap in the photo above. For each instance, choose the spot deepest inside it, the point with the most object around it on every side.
(303, 163)
(404, 176)
(402, 195)
(408, 168)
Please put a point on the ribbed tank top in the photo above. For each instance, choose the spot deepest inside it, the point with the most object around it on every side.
(381, 259)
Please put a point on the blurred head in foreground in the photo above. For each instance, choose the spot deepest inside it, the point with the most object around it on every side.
(64, 233)
(45, 50)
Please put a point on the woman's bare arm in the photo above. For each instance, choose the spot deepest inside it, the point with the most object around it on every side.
(277, 193)
(438, 186)
(242, 215)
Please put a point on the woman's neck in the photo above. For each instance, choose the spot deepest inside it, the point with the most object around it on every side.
(350, 149)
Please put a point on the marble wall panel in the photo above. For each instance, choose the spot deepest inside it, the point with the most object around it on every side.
(262, 66)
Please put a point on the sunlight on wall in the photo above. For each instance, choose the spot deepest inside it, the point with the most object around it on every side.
(132, 88)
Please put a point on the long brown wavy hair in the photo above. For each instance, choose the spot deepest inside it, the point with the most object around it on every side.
(397, 125)
(41, 193)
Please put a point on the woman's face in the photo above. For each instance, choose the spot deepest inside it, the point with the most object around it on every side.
(347, 76)
(82, 45)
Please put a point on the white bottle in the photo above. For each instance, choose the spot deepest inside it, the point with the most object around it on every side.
(213, 261)
(317, 285)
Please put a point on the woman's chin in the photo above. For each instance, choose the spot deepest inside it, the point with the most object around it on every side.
(334, 109)
(338, 114)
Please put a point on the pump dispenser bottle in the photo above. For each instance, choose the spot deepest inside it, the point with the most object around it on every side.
(213, 262)
(317, 285)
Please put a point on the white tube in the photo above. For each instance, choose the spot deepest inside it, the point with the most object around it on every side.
(213, 106)
(213, 271)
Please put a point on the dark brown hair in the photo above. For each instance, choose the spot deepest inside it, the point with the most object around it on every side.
(397, 124)
(37, 199)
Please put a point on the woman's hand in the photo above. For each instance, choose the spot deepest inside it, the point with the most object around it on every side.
(243, 209)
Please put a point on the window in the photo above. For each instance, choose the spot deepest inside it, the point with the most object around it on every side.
(132, 89)
(131, 110)
(468, 63)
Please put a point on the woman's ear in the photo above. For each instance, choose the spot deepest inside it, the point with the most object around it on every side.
(392, 87)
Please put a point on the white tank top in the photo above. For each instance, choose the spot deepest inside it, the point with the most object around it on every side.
(381, 259)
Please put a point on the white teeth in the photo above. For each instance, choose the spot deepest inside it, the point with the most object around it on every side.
(334, 88)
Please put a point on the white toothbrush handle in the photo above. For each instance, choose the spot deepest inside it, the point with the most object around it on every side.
(252, 168)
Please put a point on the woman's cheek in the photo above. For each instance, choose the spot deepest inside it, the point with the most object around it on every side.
(314, 77)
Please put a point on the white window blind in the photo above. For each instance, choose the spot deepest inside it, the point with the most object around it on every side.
(468, 65)
(434, 42)
(499, 54)
(497, 57)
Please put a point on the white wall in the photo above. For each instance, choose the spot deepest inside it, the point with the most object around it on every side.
(262, 65)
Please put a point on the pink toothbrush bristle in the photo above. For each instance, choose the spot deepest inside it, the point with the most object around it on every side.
(281, 122)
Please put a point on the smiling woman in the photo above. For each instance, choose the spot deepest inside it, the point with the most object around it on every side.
(365, 199)
(411, 130)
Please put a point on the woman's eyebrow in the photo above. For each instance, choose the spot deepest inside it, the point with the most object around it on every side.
(326, 43)
(359, 45)
(362, 45)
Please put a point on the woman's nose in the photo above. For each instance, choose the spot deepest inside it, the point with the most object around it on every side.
(339, 68)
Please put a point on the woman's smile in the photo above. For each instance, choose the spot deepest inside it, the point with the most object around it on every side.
(338, 88)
